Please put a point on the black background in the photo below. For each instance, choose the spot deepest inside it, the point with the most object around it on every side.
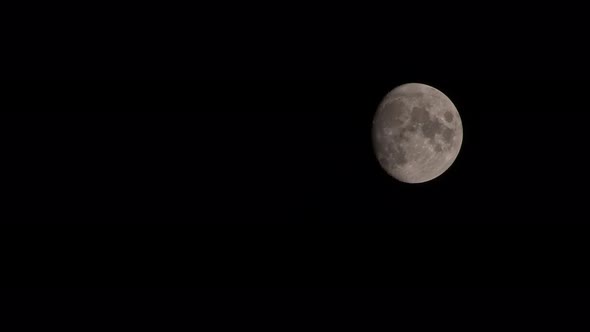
(267, 193)
(232, 170)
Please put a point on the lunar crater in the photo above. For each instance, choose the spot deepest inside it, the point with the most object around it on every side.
(449, 116)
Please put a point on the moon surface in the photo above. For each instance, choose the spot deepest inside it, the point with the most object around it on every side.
(417, 133)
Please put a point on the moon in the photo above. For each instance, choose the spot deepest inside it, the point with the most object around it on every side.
(417, 133)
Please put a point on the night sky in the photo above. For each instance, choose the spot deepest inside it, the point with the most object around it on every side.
(240, 164)
(284, 171)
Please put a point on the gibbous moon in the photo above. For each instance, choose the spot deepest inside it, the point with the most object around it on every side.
(417, 133)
